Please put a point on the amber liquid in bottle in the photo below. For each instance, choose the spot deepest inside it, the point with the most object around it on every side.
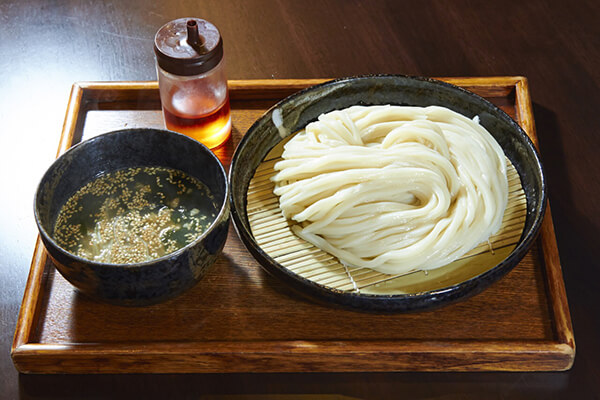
(211, 129)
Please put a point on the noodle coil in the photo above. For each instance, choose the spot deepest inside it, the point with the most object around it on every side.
(393, 188)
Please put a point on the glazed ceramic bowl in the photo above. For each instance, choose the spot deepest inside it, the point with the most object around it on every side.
(140, 283)
(296, 111)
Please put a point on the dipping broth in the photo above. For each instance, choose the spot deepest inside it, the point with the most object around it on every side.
(134, 215)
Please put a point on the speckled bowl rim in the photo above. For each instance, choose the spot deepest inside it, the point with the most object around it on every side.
(90, 142)
(409, 302)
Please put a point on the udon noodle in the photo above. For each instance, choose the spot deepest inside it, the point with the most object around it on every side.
(393, 188)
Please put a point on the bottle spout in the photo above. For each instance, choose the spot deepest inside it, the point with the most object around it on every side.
(194, 39)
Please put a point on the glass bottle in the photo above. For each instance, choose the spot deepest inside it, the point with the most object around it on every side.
(192, 81)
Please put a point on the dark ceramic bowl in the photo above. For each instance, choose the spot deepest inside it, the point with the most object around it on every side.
(296, 111)
(140, 283)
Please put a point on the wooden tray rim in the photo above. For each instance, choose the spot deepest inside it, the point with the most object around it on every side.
(326, 356)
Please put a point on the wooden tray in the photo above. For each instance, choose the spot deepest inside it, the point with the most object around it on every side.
(239, 319)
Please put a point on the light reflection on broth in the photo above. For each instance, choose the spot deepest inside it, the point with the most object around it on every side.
(134, 215)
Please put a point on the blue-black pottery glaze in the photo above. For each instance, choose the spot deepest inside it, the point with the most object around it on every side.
(297, 110)
(147, 282)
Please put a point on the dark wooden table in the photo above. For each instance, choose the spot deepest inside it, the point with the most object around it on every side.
(46, 46)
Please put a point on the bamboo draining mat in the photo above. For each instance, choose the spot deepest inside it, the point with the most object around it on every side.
(273, 232)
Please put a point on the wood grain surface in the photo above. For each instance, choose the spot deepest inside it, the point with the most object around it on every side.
(239, 319)
(47, 46)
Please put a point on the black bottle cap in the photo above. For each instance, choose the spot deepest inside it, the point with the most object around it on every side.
(188, 46)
